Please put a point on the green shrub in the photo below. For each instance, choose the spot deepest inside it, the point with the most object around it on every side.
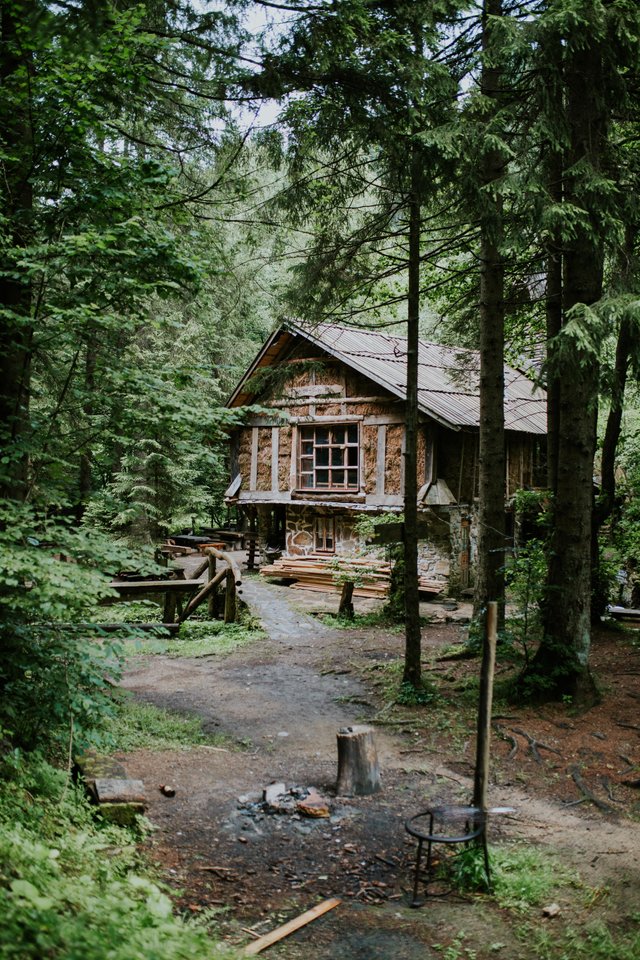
(73, 889)
(54, 678)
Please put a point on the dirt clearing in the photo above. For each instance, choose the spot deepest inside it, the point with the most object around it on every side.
(281, 701)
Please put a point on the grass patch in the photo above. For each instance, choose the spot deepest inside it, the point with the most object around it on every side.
(393, 691)
(594, 942)
(360, 621)
(525, 877)
(375, 619)
(199, 638)
(142, 726)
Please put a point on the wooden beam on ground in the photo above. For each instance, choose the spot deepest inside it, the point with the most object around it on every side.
(281, 932)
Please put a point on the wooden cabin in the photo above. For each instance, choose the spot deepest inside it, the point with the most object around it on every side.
(329, 446)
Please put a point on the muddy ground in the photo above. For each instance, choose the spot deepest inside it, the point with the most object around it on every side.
(281, 701)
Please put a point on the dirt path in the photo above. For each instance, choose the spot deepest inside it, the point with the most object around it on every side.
(283, 699)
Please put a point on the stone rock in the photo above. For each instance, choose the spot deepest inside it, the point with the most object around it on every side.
(314, 805)
(551, 910)
(124, 814)
(112, 790)
(273, 794)
(93, 765)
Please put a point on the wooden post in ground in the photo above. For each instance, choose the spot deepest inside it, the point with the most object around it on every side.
(213, 596)
(230, 598)
(481, 777)
(346, 600)
(169, 612)
(358, 769)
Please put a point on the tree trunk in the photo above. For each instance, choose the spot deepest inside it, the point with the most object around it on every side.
(16, 196)
(491, 512)
(561, 665)
(86, 467)
(413, 640)
(553, 309)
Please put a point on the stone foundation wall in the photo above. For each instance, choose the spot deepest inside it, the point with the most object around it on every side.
(435, 559)
(301, 531)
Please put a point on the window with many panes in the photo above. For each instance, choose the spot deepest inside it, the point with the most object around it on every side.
(328, 458)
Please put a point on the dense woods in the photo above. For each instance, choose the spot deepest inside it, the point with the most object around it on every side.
(178, 177)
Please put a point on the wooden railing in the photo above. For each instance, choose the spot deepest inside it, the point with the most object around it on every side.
(231, 574)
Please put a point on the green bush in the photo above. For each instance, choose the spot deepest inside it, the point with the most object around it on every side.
(72, 888)
(54, 678)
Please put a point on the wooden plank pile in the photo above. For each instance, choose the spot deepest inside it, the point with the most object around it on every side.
(318, 572)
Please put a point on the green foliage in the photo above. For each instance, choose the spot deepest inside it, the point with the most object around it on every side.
(135, 725)
(466, 870)
(410, 696)
(395, 691)
(525, 579)
(55, 678)
(375, 619)
(70, 886)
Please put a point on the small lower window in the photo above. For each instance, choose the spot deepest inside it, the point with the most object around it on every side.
(325, 535)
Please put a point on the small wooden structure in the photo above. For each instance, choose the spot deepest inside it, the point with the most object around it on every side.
(194, 590)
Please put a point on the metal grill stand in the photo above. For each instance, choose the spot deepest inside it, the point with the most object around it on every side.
(423, 828)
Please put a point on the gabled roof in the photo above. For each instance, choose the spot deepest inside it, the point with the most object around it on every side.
(448, 377)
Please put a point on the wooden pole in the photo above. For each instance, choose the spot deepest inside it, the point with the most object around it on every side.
(213, 596)
(169, 613)
(481, 777)
(346, 600)
(230, 598)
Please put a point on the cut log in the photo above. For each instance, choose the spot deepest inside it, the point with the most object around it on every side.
(358, 769)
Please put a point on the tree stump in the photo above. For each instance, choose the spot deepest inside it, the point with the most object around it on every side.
(358, 770)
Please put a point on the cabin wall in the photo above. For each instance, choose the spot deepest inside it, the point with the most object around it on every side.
(265, 453)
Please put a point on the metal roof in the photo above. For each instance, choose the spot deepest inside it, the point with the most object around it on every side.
(448, 377)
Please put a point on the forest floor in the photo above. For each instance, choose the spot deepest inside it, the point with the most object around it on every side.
(280, 703)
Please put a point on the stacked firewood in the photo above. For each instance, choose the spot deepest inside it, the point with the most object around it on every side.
(322, 573)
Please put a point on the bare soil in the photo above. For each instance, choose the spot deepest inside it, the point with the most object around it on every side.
(281, 702)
